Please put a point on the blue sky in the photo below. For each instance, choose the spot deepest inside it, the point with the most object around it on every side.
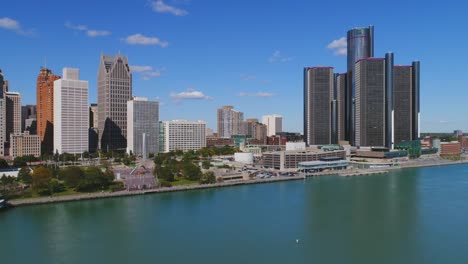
(197, 55)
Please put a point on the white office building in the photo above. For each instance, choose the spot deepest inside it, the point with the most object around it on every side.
(274, 124)
(142, 127)
(71, 113)
(182, 135)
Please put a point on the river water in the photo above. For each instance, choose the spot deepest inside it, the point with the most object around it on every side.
(407, 216)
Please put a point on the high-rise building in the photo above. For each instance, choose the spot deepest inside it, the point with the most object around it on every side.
(2, 116)
(28, 118)
(71, 118)
(182, 135)
(13, 113)
(374, 102)
(274, 124)
(93, 116)
(318, 95)
(24, 144)
(229, 121)
(114, 90)
(406, 102)
(360, 46)
(340, 108)
(254, 130)
(142, 127)
(45, 109)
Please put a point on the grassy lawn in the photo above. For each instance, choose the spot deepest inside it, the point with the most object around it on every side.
(182, 181)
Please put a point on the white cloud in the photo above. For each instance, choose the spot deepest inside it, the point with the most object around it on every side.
(339, 46)
(146, 71)
(189, 94)
(90, 32)
(259, 94)
(11, 24)
(160, 7)
(139, 39)
(277, 57)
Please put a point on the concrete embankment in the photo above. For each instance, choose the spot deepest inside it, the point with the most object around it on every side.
(91, 196)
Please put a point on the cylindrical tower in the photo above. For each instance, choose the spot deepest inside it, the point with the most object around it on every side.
(389, 114)
(416, 102)
(360, 46)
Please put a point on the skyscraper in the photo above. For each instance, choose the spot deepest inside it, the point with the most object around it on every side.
(274, 124)
(71, 119)
(374, 103)
(142, 127)
(405, 102)
(2, 115)
(114, 90)
(13, 114)
(255, 130)
(93, 116)
(340, 97)
(229, 121)
(45, 108)
(318, 95)
(360, 46)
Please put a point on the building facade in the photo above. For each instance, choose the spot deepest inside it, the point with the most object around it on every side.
(229, 121)
(71, 118)
(28, 118)
(93, 116)
(360, 45)
(374, 103)
(318, 95)
(405, 102)
(142, 127)
(114, 91)
(340, 107)
(2, 115)
(274, 124)
(253, 129)
(45, 108)
(24, 144)
(12, 113)
(182, 135)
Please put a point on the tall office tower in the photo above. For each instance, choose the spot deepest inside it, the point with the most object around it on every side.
(71, 119)
(93, 116)
(374, 102)
(13, 114)
(229, 121)
(253, 129)
(6, 86)
(28, 117)
(318, 95)
(274, 124)
(114, 90)
(360, 46)
(340, 108)
(142, 127)
(405, 102)
(45, 109)
(2, 116)
(182, 135)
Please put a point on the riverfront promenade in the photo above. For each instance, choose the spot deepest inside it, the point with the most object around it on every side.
(90, 196)
(351, 172)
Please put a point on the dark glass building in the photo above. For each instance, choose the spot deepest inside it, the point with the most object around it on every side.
(406, 102)
(340, 108)
(374, 104)
(318, 96)
(360, 46)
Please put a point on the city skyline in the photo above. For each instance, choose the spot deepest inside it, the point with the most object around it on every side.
(257, 77)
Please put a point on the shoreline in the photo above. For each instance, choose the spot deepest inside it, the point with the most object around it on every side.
(93, 196)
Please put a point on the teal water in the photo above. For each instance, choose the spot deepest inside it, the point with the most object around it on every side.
(408, 216)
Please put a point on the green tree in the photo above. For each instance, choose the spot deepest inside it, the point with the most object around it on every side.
(55, 186)
(41, 177)
(94, 179)
(191, 171)
(206, 164)
(71, 176)
(208, 178)
(165, 173)
(24, 175)
(3, 164)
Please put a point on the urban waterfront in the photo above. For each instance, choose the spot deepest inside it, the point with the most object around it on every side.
(406, 216)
